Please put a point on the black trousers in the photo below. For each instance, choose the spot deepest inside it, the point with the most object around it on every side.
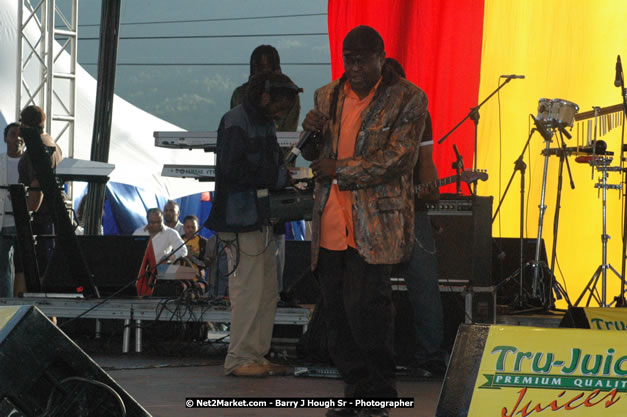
(359, 318)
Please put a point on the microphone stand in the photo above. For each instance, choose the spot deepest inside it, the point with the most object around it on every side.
(519, 165)
(474, 115)
(563, 154)
(620, 300)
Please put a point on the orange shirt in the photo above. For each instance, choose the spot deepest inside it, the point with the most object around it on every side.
(336, 226)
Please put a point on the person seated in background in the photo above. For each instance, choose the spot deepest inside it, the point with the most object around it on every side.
(171, 212)
(166, 242)
(196, 244)
(165, 246)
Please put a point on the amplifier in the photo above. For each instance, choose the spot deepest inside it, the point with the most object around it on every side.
(463, 237)
(285, 205)
(451, 204)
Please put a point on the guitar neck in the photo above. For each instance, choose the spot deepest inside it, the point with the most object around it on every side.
(445, 181)
(437, 183)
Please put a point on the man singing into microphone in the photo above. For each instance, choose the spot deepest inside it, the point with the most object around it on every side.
(369, 121)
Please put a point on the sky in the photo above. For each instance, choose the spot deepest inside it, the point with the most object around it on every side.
(196, 97)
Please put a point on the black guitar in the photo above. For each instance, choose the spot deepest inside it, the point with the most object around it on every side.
(468, 177)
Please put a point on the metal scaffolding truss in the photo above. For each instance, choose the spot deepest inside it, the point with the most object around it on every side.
(46, 75)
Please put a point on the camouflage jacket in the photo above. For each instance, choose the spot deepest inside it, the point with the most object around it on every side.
(380, 172)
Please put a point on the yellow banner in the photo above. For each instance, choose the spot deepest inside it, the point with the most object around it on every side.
(566, 49)
(528, 371)
(6, 313)
(606, 318)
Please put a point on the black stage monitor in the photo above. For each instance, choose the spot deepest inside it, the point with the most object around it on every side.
(114, 261)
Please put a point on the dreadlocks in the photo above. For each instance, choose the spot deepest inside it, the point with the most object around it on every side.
(270, 53)
(277, 84)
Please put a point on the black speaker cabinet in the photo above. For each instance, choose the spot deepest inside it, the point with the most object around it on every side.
(463, 369)
(114, 262)
(506, 265)
(43, 372)
(463, 238)
(454, 314)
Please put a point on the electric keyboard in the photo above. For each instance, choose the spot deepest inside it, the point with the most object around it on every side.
(200, 172)
(208, 140)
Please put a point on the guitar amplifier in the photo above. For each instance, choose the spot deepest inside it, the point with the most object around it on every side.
(463, 237)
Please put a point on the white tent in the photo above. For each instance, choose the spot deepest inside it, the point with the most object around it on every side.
(138, 162)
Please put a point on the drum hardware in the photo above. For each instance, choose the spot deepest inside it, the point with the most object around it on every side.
(556, 113)
(602, 165)
(620, 82)
(539, 296)
(558, 120)
(474, 115)
(554, 284)
(553, 116)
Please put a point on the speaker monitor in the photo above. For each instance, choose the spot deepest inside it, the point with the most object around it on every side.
(43, 372)
(506, 262)
(462, 372)
(575, 317)
(114, 262)
(463, 238)
(454, 314)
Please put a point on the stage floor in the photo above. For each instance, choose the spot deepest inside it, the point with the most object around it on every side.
(161, 384)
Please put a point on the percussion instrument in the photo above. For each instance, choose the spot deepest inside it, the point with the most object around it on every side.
(557, 112)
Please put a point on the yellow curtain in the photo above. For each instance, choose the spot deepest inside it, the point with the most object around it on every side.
(566, 49)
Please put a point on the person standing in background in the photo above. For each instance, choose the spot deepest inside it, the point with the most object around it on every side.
(421, 274)
(249, 163)
(33, 117)
(265, 59)
(9, 175)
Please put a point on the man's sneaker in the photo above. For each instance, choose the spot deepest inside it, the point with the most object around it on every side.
(342, 412)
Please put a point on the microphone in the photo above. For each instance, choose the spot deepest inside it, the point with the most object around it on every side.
(619, 72)
(459, 157)
(542, 128)
(295, 151)
(512, 76)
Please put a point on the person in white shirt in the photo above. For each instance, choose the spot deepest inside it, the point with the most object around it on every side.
(164, 239)
(8, 175)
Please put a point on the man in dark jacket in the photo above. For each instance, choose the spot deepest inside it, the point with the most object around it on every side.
(249, 164)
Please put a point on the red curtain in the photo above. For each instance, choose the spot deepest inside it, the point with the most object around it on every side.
(438, 42)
